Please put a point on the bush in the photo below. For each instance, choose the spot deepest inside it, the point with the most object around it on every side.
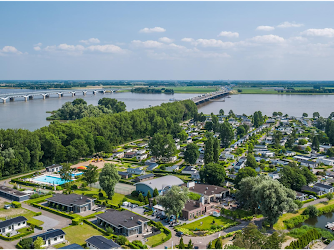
(59, 188)
(26, 243)
(16, 204)
(100, 194)
(291, 223)
(74, 186)
(121, 240)
(312, 211)
(304, 240)
(135, 193)
(76, 221)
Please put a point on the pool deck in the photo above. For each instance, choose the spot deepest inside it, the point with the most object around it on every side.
(47, 183)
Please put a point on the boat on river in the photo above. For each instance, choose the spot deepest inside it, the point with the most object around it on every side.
(330, 225)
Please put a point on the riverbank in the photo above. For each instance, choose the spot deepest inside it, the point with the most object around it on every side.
(272, 91)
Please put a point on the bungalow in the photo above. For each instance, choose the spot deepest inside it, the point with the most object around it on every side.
(72, 202)
(200, 160)
(290, 153)
(138, 171)
(129, 154)
(301, 158)
(309, 164)
(124, 175)
(269, 140)
(268, 153)
(172, 168)
(325, 188)
(53, 168)
(312, 189)
(260, 146)
(189, 170)
(119, 154)
(100, 242)
(176, 140)
(13, 194)
(152, 166)
(145, 177)
(232, 176)
(141, 151)
(127, 150)
(239, 165)
(169, 159)
(10, 225)
(324, 148)
(178, 147)
(123, 222)
(227, 155)
(141, 157)
(274, 175)
(52, 237)
(143, 144)
(325, 161)
(301, 196)
(72, 246)
(195, 176)
(189, 140)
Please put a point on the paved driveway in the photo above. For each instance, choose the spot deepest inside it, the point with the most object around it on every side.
(48, 222)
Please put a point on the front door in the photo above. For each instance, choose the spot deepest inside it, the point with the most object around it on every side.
(49, 242)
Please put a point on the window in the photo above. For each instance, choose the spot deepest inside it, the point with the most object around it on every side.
(23, 222)
(88, 244)
(18, 224)
(55, 239)
(61, 236)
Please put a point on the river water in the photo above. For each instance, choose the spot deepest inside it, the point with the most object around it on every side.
(320, 221)
(32, 114)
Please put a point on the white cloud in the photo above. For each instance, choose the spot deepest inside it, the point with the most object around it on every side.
(90, 41)
(166, 40)
(290, 25)
(65, 46)
(187, 40)
(213, 43)
(108, 48)
(10, 50)
(268, 39)
(37, 48)
(265, 28)
(50, 48)
(327, 32)
(229, 34)
(150, 30)
(147, 44)
(299, 39)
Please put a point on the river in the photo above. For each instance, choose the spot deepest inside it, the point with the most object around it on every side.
(319, 221)
(32, 114)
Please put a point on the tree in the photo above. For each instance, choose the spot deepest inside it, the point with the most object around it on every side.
(251, 162)
(258, 119)
(274, 113)
(149, 196)
(274, 199)
(174, 200)
(155, 192)
(213, 174)
(26, 243)
(191, 154)
(208, 151)
(38, 243)
(154, 202)
(66, 172)
(243, 173)
(216, 147)
(190, 244)
(182, 135)
(221, 112)
(91, 174)
(241, 131)
(299, 203)
(121, 240)
(250, 237)
(140, 197)
(274, 241)
(305, 115)
(226, 134)
(208, 126)
(231, 113)
(181, 244)
(329, 196)
(316, 115)
(108, 178)
(219, 244)
(311, 210)
(315, 143)
(162, 145)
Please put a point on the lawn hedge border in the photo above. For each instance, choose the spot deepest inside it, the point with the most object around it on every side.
(166, 231)
(17, 236)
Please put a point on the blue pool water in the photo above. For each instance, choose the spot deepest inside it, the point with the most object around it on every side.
(50, 179)
(76, 174)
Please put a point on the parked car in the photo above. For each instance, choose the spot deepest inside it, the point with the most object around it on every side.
(179, 234)
(7, 206)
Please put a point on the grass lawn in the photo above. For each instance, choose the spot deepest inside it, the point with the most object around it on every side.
(78, 234)
(207, 223)
(14, 212)
(155, 239)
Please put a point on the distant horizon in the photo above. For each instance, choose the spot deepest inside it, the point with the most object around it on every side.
(157, 80)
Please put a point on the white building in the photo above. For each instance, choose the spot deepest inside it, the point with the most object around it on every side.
(51, 237)
(11, 225)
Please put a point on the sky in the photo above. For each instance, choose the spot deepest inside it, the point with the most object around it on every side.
(166, 41)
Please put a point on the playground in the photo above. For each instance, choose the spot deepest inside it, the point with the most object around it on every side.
(98, 162)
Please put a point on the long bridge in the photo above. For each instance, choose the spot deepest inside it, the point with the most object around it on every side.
(47, 93)
(213, 95)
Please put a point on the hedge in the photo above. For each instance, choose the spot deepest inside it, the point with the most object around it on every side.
(303, 241)
(166, 231)
(17, 236)
(97, 228)
(38, 200)
(309, 200)
(36, 226)
(54, 211)
(76, 221)
(27, 183)
(16, 204)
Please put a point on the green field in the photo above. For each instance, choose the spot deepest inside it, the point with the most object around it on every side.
(207, 223)
(259, 90)
(15, 212)
(194, 89)
(78, 234)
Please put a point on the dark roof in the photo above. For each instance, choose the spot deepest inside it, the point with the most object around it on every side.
(310, 189)
(123, 173)
(12, 191)
(123, 218)
(145, 176)
(54, 165)
(239, 163)
(322, 185)
(308, 162)
(191, 205)
(152, 166)
(9, 222)
(299, 194)
(70, 199)
(72, 246)
(49, 234)
(101, 242)
(208, 189)
(189, 168)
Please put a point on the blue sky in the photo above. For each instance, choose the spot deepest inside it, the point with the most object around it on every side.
(167, 40)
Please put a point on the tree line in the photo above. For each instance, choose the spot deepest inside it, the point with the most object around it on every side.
(22, 150)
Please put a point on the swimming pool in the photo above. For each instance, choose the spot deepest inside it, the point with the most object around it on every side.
(50, 179)
(76, 174)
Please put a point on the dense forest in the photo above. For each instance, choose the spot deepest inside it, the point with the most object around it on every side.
(79, 109)
(22, 150)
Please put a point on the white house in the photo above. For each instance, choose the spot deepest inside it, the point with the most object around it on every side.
(289, 153)
(324, 188)
(301, 196)
(51, 237)
(100, 242)
(310, 164)
(189, 170)
(11, 225)
(195, 176)
(119, 154)
(141, 157)
(274, 175)
(325, 161)
(141, 151)
(172, 168)
(239, 165)
(53, 168)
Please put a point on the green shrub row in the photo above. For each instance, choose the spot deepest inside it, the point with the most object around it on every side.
(326, 209)
(165, 230)
(34, 225)
(303, 241)
(54, 211)
(38, 200)
(309, 200)
(98, 228)
(291, 223)
(17, 236)
(16, 204)
(27, 183)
